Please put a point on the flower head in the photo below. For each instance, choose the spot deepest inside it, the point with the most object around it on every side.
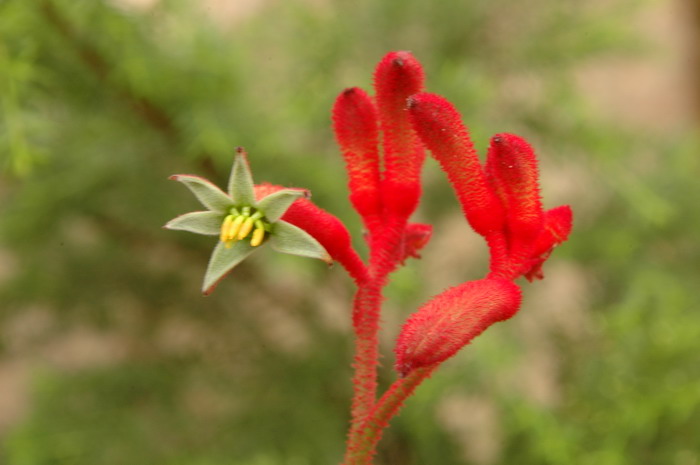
(242, 222)
(501, 200)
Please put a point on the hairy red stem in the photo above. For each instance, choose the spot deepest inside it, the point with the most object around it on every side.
(366, 315)
(366, 309)
(362, 446)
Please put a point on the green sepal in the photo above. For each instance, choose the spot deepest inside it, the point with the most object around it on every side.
(224, 260)
(240, 183)
(289, 239)
(276, 204)
(207, 223)
(207, 193)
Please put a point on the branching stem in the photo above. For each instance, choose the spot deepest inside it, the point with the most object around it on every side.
(361, 447)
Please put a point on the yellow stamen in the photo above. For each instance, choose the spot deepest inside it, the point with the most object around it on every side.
(234, 227)
(258, 236)
(246, 227)
(224, 228)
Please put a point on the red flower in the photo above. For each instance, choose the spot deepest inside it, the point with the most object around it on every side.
(357, 122)
(398, 76)
(502, 202)
(357, 131)
(440, 127)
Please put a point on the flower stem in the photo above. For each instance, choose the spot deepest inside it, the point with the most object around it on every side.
(366, 315)
(362, 444)
(366, 310)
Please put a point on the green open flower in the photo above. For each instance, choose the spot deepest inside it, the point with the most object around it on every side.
(243, 223)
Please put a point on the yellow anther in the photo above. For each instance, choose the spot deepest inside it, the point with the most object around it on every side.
(234, 227)
(245, 228)
(224, 228)
(258, 236)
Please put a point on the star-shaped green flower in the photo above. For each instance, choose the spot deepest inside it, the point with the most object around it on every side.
(243, 223)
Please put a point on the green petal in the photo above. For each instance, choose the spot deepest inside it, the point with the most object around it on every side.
(208, 223)
(224, 260)
(287, 238)
(274, 205)
(240, 183)
(211, 196)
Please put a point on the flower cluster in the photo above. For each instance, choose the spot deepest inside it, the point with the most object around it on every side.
(501, 201)
(384, 158)
(383, 139)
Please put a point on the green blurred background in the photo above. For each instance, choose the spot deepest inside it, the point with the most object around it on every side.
(109, 354)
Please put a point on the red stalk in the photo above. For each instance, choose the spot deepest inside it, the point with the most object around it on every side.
(362, 446)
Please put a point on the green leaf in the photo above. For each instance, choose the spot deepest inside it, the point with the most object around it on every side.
(211, 196)
(287, 238)
(240, 183)
(224, 260)
(208, 223)
(274, 205)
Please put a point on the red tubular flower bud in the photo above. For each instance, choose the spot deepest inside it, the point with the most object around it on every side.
(357, 132)
(511, 169)
(398, 76)
(440, 127)
(330, 232)
(452, 319)
(326, 228)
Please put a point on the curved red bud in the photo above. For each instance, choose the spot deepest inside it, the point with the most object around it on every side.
(326, 228)
(357, 132)
(511, 168)
(440, 127)
(398, 76)
(330, 232)
(452, 319)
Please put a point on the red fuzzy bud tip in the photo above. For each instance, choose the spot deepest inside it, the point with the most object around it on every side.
(511, 168)
(357, 132)
(452, 319)
(557, 227)
(416, 236)
(398, 76)
(440, 127)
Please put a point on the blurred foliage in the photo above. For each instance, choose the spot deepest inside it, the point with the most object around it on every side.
(101, 103)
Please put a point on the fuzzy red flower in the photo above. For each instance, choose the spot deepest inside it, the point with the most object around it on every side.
(501, 202)
(440, 127)
(357, 132)
(398, 76)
